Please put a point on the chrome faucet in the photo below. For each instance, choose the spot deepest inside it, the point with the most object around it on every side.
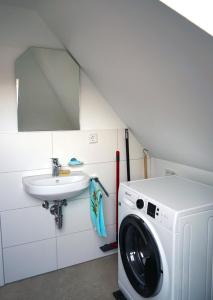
(55, 167)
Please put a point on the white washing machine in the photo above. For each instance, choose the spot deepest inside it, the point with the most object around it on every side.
(166, 239)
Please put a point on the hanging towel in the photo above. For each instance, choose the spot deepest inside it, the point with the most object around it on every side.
(96, 208)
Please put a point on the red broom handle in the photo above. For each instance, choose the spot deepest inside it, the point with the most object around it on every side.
(117, 188)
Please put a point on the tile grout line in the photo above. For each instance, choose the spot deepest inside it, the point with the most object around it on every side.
(56, 249)
(29, 243)
(117, 139)
(38, 205)
(85, 230)
(52, 143)
(21, 171)
(18, 208)
(2, 254)
(56, 240)
(85, 164)
(53, 237)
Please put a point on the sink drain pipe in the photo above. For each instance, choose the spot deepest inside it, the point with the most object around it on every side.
(56, 210)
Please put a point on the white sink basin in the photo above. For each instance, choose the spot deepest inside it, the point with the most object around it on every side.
(46, 187)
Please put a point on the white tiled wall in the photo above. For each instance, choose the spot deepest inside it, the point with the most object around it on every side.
(136, 151)
(77, 217)
(25, 151)
(159, 167)
(29, 259)
(29, 153)
(1, 261)
(106, 173)
(82, 246)
(22, 226)
(31, 242)
(12, 193)
(75, 144)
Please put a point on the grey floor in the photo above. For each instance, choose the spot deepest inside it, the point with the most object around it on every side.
(93, 280)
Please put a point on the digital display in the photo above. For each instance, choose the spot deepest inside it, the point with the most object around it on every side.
(151, 210)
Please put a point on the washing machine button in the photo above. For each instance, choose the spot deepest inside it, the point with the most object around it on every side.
(140, 203)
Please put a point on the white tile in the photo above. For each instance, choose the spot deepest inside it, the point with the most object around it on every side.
(111, 234)
(109, 205)
(77, 248)
(26, 225)
(25, 151)
(136, 170)
(68, 144)
(123, 171)
(12, 192)
(135, 148)
(83, 246)
(29, 260)
(106, 172)
(76, 215)
(1, 261)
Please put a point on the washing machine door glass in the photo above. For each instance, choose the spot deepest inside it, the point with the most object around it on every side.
(140, 256)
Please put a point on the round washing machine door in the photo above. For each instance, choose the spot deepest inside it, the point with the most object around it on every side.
(140, 256)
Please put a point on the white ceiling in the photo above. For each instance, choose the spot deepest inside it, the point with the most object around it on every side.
(199, 12)
(153, 66)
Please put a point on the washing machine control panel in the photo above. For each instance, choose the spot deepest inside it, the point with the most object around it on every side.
(151, 209)
(161, 215)
(156, 212)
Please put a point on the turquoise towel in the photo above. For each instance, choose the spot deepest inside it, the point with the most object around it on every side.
(96, 208)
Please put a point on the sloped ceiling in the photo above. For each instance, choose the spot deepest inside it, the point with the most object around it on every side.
(199, 12)
(153, 66)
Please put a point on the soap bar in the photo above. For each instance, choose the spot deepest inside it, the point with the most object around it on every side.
(64, 172)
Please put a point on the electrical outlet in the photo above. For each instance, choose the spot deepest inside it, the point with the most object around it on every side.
(169, 172)
(93, 138)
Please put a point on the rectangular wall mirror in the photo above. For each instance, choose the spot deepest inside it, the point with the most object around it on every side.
(47, 83)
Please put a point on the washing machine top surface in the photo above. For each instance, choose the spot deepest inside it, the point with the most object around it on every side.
(174, 192)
